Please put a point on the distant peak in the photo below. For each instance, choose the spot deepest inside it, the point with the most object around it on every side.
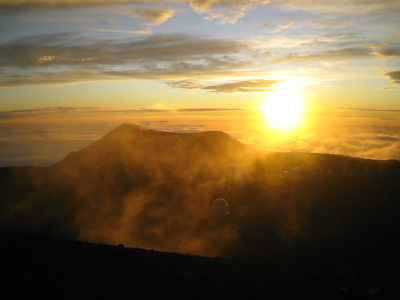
(133, 128)
(128, 129)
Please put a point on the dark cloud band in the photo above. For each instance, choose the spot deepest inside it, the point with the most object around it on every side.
(241, 86)
(72, 57)
(394, 76)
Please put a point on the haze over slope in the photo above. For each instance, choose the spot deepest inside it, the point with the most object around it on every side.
(135, 185)
(153, 189)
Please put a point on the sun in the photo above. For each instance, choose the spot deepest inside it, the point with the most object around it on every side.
(283, 108)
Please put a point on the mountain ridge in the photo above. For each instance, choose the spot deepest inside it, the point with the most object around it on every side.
(129, 135)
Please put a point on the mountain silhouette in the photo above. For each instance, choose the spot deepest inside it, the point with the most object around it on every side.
(154, 190)
(153, 157)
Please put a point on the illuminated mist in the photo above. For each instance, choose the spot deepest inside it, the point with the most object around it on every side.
(152, 189)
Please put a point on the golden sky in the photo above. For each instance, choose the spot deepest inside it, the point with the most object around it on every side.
(329, 69)
(198, 53)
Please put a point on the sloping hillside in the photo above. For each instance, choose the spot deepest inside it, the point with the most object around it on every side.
(33, 266)
(154, 190)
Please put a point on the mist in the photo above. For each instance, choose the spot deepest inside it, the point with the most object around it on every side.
(154, 190)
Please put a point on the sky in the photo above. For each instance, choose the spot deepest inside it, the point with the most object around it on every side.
(72, 70)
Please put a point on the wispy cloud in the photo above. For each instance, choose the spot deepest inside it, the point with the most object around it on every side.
(326, 55)
(368, 109)
(153, 17)
(388, 88)
(134, 31)
(225, 11)
(281, 27)
(342, 7)
(74, 110)
(240, 86)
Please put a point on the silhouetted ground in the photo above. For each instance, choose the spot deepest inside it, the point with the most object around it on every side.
(316, 226)
(35, 267)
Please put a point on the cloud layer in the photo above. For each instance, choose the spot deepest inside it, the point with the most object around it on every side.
(169, 41)
(65, 129)
(74, 58)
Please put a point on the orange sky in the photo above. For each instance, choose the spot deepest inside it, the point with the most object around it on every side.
(188, 54)
(102, 63)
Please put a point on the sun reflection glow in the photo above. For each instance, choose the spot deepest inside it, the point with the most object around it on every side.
(283, 108)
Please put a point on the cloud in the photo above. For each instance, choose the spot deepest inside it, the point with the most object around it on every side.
(71, 57)
(225, 11)
(41, 144)
(391, 51)
(72, 110)
(247, 86)
(342, 7)
(62, 130)
(230, 11)
(367, 109)
(68, 47)
(353, 140)
(74, 58)
(281, 27)
(242, 86)
(43, 136)
(323, 56)
(394, 76)
(186, 84)
(340, 15)
(388, 88)
(9, 7)
(388, 151)
(338, 64)
(154, 17)
(134, 31)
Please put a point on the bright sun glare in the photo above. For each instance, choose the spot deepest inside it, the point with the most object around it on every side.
(283, 108)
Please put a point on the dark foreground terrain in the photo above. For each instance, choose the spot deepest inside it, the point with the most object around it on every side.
(35, 267)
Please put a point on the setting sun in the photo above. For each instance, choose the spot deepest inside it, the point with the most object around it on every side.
(283, 108)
